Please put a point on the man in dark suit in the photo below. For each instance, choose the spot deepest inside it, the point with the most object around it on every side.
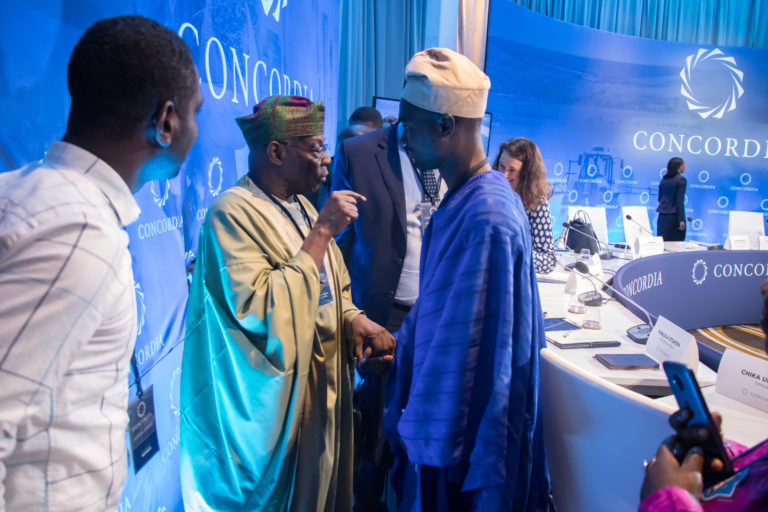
(374, 247)
(381, 250)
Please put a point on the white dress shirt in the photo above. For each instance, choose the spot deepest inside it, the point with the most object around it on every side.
(67, 331)
(408, 285)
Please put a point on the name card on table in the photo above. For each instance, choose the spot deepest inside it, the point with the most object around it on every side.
(595, 265)
(744, 378)
(668, 342)
(737, 243)
(649, 246)
(762, 242)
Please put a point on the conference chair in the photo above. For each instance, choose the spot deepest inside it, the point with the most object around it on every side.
(638, 225)
(597, 436)
(749, 224)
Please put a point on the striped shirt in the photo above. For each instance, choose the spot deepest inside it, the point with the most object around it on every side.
(67, 331)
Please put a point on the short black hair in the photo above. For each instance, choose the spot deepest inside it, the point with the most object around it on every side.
(120, 73)
(368, 116)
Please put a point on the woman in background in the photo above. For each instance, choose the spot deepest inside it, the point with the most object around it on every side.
(520, 161)
(671, 223)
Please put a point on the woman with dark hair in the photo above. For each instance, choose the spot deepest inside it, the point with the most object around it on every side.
(520, 161)
(671, 223)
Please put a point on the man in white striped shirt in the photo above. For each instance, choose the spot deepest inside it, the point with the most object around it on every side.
(67, 307)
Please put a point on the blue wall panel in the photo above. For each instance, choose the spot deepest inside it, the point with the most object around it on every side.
(608, 111)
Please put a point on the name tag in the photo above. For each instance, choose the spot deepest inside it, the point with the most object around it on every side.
(743, 377)
(427, 209)
(669, 342)
(142, 429)
(737, 243)
(649, 246)
(326, 296)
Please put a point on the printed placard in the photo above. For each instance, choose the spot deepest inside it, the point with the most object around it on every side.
(649, 246)
(142, 429)
(595, 265)
(744, 378)
(668, 342)
(737, 243)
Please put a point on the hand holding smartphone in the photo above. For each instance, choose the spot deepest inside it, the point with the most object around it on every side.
(686, 389)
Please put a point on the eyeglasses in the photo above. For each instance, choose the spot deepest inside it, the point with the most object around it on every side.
(317, 151)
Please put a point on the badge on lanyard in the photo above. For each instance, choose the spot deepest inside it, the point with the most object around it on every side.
(325, 288)
(427, 209)
(142, 429)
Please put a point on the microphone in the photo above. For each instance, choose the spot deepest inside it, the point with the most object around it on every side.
(714, 247)
(629, 217)
(560, 242)
(637, 333)
(593, 298)
(603, 255)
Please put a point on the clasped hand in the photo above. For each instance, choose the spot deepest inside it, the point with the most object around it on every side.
(374, 345)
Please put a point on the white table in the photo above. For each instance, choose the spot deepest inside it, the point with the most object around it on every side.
(615, 320)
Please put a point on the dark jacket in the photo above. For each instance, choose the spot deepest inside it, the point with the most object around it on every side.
(672, 196)
(374, 245)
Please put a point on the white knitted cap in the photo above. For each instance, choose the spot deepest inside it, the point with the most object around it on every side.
(443, 81)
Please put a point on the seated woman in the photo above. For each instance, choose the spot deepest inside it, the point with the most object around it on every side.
(520, 160)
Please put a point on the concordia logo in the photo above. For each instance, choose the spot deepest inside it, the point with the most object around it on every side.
(175, 391)
(268, 5)
(736, 90)
(699, 272)
(215, 168)
(160, 191)
(141, 308)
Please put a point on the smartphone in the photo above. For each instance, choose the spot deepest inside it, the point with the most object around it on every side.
(686, 389)
(627, 361)
(576, 343)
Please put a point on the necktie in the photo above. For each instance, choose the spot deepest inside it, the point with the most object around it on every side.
(429, 183)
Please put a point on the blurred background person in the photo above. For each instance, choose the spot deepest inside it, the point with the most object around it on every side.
(671, 223)
(351, 131)
(368, 116)
(520, 161)
(389, 120)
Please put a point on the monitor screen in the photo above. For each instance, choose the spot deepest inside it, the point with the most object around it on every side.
(391, 108)
(387, 106)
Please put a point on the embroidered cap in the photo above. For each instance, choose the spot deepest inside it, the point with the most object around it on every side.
(280, 118)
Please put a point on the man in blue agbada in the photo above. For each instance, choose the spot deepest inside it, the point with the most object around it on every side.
(266, 391)
(462, 401)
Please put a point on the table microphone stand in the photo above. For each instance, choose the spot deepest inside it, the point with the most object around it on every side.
(637, 333)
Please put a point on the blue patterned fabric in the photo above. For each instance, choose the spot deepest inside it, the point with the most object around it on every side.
(463, 390)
